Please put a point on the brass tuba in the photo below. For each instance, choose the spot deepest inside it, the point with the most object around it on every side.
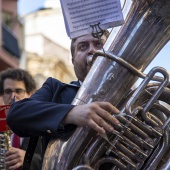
(143, 140)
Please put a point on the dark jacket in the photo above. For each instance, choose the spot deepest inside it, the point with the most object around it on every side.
(43, 112)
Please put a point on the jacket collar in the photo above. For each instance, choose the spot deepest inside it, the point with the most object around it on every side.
(75, 83)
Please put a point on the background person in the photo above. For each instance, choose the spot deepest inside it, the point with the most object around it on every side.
(18, 84)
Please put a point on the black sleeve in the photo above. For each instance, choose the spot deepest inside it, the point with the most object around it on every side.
(39, 116)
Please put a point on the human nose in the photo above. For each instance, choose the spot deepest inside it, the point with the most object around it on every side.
(13, 94)
(12, 98)
(92, 49)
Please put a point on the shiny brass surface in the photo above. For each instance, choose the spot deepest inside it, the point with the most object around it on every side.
(142, 141)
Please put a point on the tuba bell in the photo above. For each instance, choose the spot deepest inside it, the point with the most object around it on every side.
(142, 141)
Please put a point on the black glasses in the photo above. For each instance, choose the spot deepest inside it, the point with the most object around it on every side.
(18, 92)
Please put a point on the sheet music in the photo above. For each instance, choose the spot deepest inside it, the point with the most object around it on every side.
(80, 14)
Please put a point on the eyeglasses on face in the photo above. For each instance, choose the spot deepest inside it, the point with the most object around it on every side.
(18, 92)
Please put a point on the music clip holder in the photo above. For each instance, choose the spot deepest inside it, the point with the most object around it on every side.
(97, 31)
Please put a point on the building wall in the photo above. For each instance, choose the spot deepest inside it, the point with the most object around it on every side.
(7, 59)
(41, 45)
(10, 6)
(47, 46)
(43, 67)
(50, 23)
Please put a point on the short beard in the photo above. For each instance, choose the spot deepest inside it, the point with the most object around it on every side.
(80, 72)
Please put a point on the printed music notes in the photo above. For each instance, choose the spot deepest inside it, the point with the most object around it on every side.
(80, 15)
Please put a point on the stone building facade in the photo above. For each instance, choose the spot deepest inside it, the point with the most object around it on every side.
(47, 47)
(10, 31)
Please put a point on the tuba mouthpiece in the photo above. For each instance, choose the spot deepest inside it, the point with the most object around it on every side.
(90, 60)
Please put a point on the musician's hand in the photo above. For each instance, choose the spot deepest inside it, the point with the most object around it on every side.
(96, 115)
(14, 158)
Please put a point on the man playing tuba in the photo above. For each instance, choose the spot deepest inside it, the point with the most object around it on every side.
(48, 112)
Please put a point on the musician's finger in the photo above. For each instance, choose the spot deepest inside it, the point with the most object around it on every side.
(96, 127)
(101, 122)
(107, 116)
(10, 163)
(109, 107)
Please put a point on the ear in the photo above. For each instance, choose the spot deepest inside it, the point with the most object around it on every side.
(29, 94)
